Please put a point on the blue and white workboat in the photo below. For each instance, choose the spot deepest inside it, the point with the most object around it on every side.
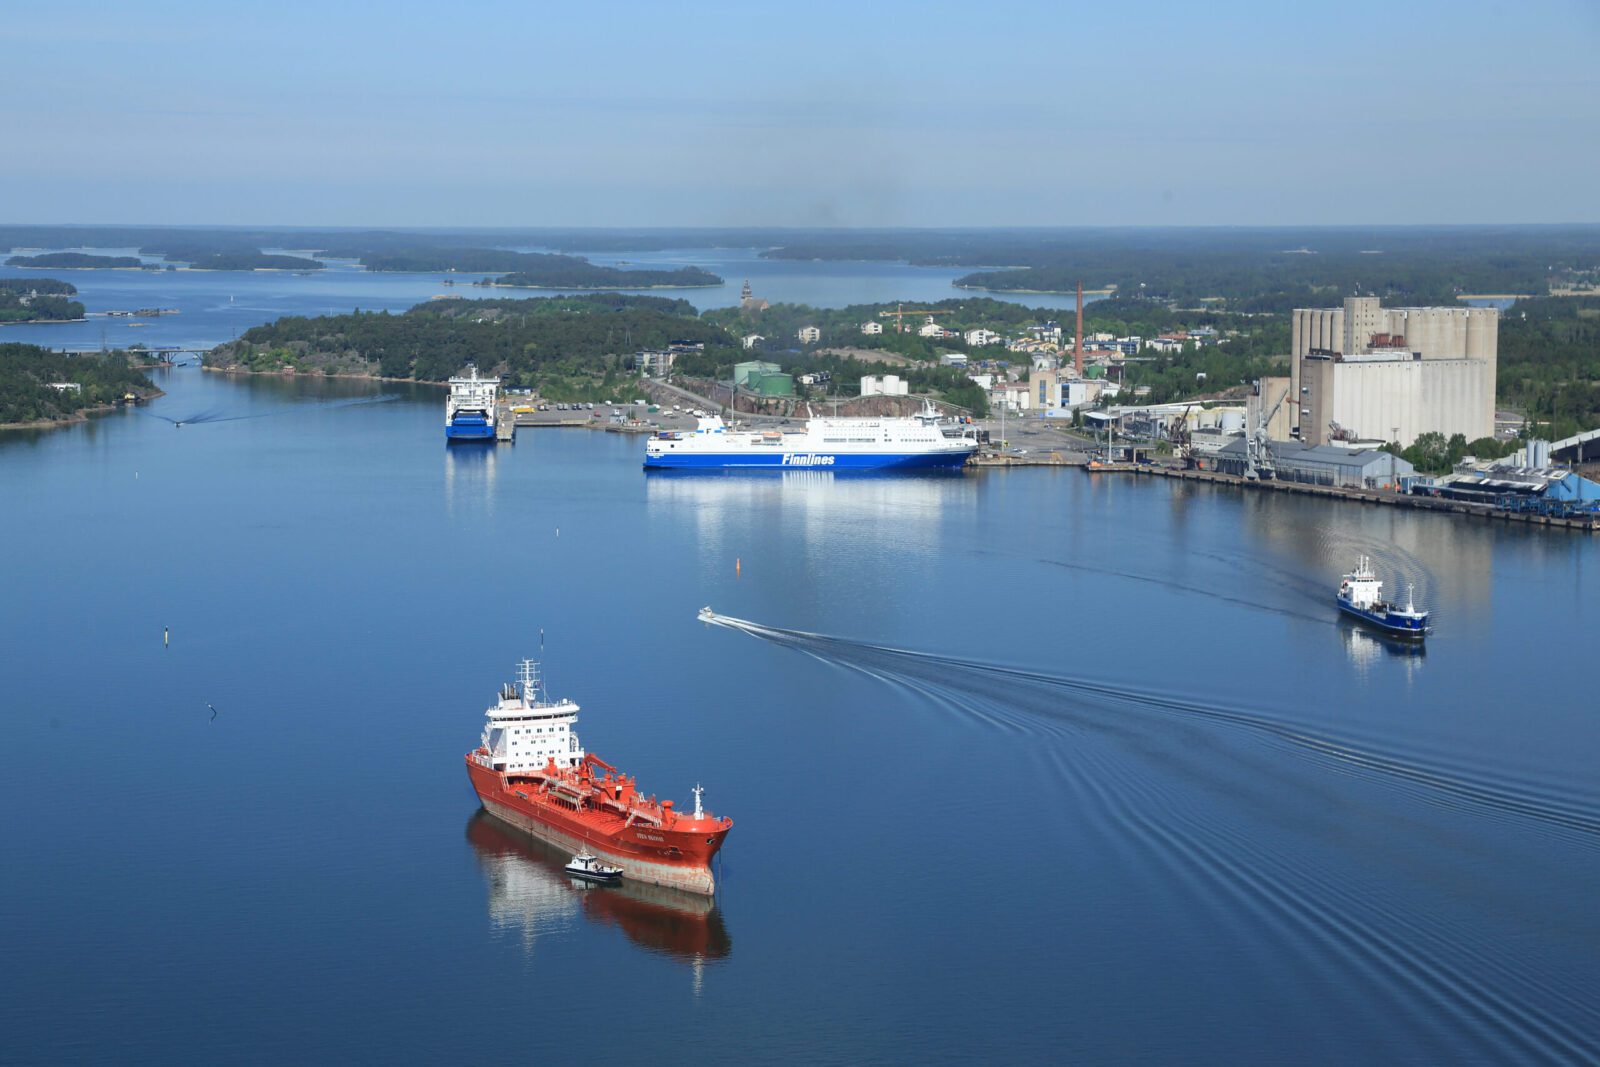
(885, 444)
(1361, 595)
(469, 414)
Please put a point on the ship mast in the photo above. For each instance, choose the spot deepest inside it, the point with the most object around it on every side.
(528, 676)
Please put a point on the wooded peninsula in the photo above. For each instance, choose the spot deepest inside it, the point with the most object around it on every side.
(40, 387)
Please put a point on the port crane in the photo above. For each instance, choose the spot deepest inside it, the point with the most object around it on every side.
(1178, 435)
(901, 311)
(1258, 462)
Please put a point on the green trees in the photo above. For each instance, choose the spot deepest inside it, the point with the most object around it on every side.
(26, 372)
(1432, 453)
(37, 300)
(1549, 363)
(561, 345)
(73, 261)
(537, 270)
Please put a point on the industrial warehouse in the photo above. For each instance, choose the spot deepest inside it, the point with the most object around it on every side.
(1347, 468)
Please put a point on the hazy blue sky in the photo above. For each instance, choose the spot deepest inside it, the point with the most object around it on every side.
(859, 114)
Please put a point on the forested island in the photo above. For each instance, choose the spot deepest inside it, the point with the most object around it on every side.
(526, 270)
(74, 261)
(38, 300)
(590, 276)
(578, 347)
(40, 387)
(254, 261)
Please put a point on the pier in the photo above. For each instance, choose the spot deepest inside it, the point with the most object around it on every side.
(1587, 523)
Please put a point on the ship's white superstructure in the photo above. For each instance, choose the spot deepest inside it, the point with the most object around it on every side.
(825, 443)
(470, 412)
(525, 730)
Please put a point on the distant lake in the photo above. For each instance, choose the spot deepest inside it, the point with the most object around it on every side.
(217, 306)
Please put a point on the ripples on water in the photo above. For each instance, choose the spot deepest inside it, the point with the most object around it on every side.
(1155, 773)
(225, 415)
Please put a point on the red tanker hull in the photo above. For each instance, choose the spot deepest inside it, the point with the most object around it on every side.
(673, 851)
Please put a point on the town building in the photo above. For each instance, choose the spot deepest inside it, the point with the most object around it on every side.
(655, 363)
(930, 329)
(809, 335)
(1369, 372)
(872, 329)
(980, 338)
(953, 359)
(888, 385)
(1045, 386)
(1012, 396)
(1060, 392)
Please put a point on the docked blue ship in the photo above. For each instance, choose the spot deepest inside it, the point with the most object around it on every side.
(470, 413)
(1361, 596)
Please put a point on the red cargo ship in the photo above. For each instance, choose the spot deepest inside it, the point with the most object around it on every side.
(531, 772)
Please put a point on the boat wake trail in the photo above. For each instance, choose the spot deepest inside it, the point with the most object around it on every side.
(216, 415)
(1334, 885)
(1437, 783)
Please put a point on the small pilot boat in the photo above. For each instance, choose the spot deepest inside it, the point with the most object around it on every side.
(591, 869)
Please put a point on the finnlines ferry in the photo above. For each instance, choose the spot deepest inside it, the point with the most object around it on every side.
(530, 772)
(469, 414)
(916, 443)
(1360, 596)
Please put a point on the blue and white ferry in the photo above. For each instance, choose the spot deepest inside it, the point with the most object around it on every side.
(883, 444)
(1360, 595)
(469, 414)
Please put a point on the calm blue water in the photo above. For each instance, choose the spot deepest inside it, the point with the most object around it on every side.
(1131, 793)
(216, 306)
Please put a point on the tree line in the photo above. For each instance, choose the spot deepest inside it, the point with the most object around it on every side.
(73, 261)
(37, 300)
(26, 372)
(567, 347)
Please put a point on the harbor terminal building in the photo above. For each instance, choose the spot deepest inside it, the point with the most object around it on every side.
(1364, 372)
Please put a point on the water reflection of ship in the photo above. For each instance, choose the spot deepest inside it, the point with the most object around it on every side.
(529, 889)
(1366, 646)
(469, 477)
(818, 505)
